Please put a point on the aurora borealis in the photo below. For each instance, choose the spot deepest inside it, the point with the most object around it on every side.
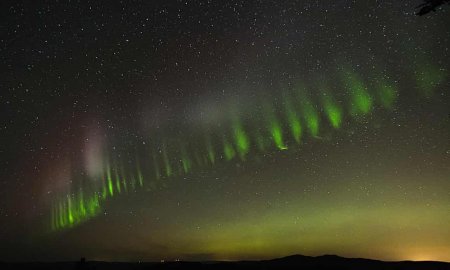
(237, 144)
(229, 130)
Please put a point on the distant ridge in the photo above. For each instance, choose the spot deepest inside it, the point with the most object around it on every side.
(290, 262)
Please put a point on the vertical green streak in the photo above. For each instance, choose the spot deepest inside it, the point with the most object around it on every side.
(155, 166)
(186, 165)
(125, 184)
(109, 179)
(310, 115)
(124, 180)
(133, 181)
(139, 175)
(293, 120)
(167, 166)
(277, 134)
(122, 177)
(81, 205)
(116, 175)
(361, 101)
(185, 161)
(210, 150)
(332, 110)
(69, 209)
(228, 150)
(74, 209)
(274, 128)
(104, 189)
(240, 138)
(93, 206)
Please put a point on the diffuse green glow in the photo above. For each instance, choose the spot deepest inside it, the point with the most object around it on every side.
(57, 220)
(387, 95)
(139, 175)
(74, 209)
(104, 188)
(81, 204)
(228, 150)
(277, 134)
(155, 166)
(134, 180)
(167, 166)
(132, 176)
(185, 161)
(124, 179)
(60, 218)
(70, 209)
(293, 120)
(117, 179)
(210, 150)
(428, 78)
(114, 180)
(361, 101)
(275, 130)
(109, 179)
(332, 110)
(186, 164)
(311, 117)
(241, 139)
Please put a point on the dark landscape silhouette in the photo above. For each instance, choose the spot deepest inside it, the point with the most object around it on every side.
(430, 5)
(289, 262)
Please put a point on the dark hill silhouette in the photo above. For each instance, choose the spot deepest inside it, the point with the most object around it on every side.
(289, 262)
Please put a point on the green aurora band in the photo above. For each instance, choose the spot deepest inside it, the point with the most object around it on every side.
(332, 110)
(228, 150)
(297, 113)
(274, 127)
(361, 101)
(387, 95)
(241, 139)
(293, 120)
(310, 115)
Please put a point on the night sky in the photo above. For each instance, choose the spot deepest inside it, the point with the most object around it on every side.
(224, 130)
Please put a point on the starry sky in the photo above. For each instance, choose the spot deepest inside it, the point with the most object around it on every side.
(224, 130)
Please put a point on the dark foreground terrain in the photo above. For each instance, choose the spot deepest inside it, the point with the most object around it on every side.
(291, 262)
